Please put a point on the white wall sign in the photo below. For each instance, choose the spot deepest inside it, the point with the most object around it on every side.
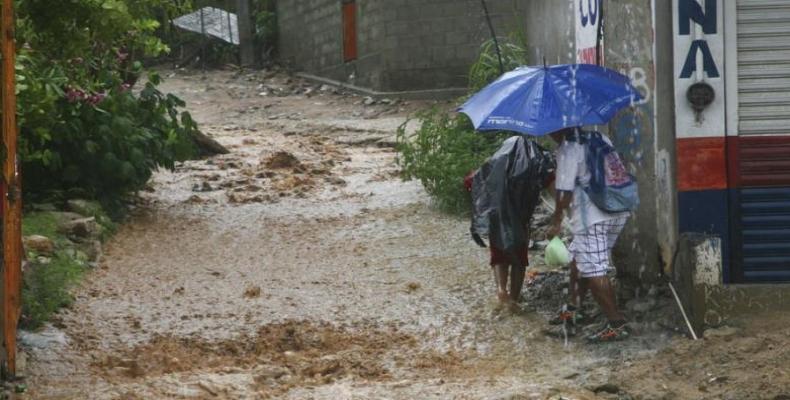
(588, 18)
(699, 57)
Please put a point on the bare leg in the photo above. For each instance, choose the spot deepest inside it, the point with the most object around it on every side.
(578, 287)
(500, 276)
(517, 273)
(603, 292)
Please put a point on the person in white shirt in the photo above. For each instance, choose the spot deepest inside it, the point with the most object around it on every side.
(594, 235)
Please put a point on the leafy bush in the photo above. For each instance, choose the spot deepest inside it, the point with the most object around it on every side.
(265, 22)
(85, 132)
(486, 69)
(441, 152)
(446, 147)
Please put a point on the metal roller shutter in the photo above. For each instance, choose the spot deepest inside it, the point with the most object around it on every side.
(764, 66)
(761, 224)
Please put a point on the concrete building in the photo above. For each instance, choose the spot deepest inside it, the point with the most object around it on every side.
(391, 45)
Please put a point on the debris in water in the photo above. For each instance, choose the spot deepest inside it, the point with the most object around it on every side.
(252, 292)
(195, 199)
(282, 160)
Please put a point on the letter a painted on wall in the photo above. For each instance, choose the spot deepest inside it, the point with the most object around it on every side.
(708, 65)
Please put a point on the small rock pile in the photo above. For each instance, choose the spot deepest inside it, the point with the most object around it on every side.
(78, 235)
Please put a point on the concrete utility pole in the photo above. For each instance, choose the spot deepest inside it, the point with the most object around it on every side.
(246, 43)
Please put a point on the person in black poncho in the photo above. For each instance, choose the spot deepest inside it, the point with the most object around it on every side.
(505, 192)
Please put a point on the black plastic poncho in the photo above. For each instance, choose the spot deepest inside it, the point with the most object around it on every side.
(505, 192)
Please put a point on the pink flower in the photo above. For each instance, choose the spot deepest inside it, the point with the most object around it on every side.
(125, 87)
(95, 98)
(74, 95)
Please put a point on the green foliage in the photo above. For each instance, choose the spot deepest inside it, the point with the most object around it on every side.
(446, 147)
(41, 223)
(265, 23)
(441, 152)
(45, 289)
(76, 28)
(486, 69)
(84, 131)
(45, 286)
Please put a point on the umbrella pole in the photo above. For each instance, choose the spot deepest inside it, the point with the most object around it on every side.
(493, 35)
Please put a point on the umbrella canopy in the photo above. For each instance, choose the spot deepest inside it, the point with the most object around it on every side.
(541, 100)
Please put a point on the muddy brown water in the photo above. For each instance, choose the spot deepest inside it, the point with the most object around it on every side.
(330, 279)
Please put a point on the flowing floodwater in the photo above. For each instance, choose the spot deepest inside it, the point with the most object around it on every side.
(299, 266)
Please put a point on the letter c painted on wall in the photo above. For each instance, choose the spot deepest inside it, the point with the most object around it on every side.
(592, 16)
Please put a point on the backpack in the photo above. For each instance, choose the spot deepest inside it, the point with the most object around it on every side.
(612, 188)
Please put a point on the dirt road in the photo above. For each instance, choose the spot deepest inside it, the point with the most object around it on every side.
(300, 267)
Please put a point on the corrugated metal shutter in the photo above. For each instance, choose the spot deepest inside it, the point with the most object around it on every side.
(764, 66)
(761, 226)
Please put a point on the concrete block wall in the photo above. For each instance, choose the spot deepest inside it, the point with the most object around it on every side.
(404, 45)
(433, 44)
(310, 35)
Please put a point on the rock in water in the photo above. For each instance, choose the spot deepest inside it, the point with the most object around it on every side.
(282, 160)
(81, 228)
(252, 292)
(207, 145)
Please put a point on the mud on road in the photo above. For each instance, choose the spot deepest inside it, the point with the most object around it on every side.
(299, 266)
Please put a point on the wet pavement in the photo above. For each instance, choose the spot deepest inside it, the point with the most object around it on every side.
(299, 266)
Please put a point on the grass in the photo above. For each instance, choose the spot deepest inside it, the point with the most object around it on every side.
(46, 285)
(45, 289)
(40, 223)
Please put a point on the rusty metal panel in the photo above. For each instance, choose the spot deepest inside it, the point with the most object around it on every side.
(349, 31)
(763, 160)
(11, 199)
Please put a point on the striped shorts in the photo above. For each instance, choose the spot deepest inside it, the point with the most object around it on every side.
(592, 249)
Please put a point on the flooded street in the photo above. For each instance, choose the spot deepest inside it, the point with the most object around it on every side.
(299, 266)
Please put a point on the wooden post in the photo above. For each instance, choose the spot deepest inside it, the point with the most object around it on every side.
(246, 43)
(12, 199)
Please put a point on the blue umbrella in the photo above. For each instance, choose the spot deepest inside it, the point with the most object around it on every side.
(541, 100)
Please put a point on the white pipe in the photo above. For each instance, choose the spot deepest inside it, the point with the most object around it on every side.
(683, 311)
